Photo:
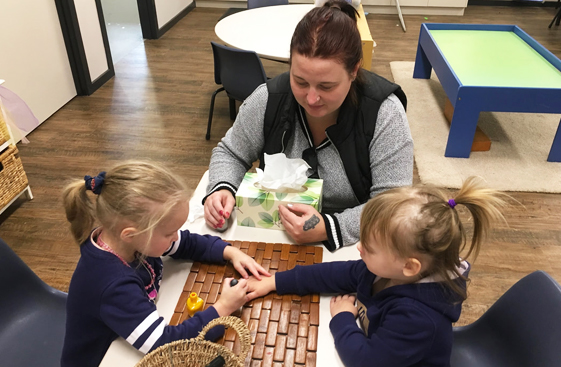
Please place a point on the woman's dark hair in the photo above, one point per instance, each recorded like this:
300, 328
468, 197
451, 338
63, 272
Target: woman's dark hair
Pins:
330, 32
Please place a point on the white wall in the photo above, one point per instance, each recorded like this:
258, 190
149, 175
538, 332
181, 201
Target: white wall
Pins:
90, 29
33, 58
166, 10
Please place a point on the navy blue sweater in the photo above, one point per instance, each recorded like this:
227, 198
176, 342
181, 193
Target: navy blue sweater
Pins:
107, 299
404, 325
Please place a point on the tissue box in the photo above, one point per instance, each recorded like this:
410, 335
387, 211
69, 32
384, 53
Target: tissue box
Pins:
256, 207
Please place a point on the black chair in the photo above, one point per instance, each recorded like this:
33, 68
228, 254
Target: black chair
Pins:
239, 72
557, 17
32, 315
521, 329
251, 4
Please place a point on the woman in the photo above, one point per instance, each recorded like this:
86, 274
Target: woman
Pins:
349, 125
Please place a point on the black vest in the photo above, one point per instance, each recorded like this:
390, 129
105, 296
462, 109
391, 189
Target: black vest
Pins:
352, 134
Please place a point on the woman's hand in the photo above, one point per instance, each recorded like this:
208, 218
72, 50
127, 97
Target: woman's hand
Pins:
345, 303
218, 207
231, 298
303, 223
258, 288
242, 261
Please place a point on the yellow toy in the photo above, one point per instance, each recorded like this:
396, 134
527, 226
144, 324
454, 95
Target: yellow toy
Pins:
194, 304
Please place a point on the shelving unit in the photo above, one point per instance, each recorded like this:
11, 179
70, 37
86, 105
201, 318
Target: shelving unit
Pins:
5, 179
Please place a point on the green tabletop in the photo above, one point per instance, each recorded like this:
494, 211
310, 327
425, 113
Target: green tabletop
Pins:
495, 58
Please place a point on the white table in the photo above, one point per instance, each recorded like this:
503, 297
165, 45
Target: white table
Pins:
268, 31
122, 354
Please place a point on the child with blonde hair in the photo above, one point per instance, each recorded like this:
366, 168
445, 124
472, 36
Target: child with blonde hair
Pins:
139, 211
410, 282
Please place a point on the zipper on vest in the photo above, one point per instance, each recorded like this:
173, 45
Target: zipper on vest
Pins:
282, 140
341, 160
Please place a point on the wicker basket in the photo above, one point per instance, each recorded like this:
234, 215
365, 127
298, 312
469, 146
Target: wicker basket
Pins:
4, 133
12, 176
197, 352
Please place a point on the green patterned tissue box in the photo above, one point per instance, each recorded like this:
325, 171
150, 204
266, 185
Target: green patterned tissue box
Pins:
257, 207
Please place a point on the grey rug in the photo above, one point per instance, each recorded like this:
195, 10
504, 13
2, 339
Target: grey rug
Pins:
520, 142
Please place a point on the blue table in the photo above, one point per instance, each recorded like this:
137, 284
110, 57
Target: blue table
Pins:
489, 68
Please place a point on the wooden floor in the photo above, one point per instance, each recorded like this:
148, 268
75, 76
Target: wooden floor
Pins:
156, 108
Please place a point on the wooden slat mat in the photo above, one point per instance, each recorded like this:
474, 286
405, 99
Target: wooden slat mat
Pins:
284, 329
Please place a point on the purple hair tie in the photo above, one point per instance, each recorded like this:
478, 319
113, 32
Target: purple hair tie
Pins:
95, 183
452, 203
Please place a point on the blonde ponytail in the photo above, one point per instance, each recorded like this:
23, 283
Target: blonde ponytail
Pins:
79, 210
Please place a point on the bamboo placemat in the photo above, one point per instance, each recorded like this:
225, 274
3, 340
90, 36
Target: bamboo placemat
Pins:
284, 329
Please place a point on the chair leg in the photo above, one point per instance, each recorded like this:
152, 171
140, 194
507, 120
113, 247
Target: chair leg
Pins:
400, 16
211, 111
232, 109
556, 18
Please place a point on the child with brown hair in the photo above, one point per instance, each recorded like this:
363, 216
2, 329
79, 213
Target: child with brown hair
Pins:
411, 281
140, 209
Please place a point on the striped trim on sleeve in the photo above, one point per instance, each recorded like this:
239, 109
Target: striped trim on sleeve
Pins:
174, 246
141, 329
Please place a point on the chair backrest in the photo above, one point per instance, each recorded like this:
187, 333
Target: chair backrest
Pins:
260, 3
19, 281
239, 71
523, 328
32, 315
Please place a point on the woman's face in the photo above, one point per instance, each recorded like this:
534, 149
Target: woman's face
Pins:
319, 85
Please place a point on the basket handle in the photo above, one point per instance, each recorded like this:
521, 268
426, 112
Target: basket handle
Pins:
239, 327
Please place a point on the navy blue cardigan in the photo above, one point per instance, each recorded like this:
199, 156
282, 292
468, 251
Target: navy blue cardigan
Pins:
107, 299
404, 325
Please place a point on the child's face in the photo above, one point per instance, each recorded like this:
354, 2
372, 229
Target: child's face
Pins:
165, 232
380, 260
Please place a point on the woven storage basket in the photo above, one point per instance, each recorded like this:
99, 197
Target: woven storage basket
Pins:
197, 352
4, 133
12, 176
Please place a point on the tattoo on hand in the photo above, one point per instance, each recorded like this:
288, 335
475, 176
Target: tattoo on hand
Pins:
311, 223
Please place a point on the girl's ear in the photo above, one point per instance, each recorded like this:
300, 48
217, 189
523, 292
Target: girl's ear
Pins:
127, 234
412, 267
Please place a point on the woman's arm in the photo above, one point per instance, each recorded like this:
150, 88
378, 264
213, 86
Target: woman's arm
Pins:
233, 156
391, 164
241, 146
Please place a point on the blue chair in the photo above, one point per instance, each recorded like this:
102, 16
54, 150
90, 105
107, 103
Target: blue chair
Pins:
521, 329
239, 72
32, 315
251, 4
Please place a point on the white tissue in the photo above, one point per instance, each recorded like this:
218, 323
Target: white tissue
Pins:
283, 174
196, 211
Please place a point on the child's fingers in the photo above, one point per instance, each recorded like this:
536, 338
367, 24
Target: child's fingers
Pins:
252, 295
257, 270
240, 268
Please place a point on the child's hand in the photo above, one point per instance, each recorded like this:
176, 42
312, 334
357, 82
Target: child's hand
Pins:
258, 288
242, 261
231, 298
345, 303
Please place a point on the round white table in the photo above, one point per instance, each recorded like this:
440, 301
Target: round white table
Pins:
266, 30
